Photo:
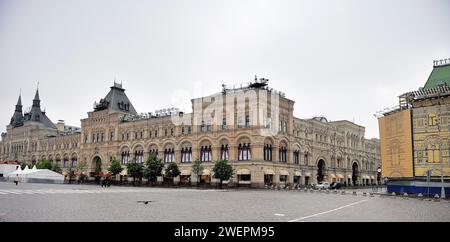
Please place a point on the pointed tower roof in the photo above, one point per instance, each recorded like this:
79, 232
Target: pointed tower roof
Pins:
19, 102
36, 113
17, 119
116, 101
36, 96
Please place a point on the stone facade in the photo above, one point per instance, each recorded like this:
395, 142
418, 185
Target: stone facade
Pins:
264, 145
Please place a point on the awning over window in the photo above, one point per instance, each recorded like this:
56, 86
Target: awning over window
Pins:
332, 176
124, 172
339, 175
284, 173
297, 173
269, 172
372, 177
349, 176
308, 174
366, 177
243, 172
185, 172
206, 172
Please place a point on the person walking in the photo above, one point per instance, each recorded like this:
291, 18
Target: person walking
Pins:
17, 179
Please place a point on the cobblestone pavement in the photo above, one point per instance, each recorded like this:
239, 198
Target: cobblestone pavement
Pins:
51, 202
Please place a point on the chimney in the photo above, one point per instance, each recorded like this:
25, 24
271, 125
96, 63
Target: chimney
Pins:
60, 126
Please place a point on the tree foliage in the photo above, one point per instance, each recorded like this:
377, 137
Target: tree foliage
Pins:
197, 167
44, 164
153, 168
115, 167
135, 170
172, 170
56, 168
222, 171
81, 166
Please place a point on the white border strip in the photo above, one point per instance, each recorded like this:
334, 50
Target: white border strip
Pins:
329, 211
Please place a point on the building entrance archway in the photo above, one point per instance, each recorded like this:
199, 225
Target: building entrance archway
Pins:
355, 173
320, 170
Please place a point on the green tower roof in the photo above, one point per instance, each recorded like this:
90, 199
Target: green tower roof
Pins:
439, 75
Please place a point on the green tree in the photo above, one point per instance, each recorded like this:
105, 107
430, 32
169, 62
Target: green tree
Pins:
153, 168
115, 167
44, 164
135, 170
197, 169
23, 164
172, 170
222, 171
81, 166
56, 168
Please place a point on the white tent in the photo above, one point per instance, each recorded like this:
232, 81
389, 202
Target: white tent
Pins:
36, 175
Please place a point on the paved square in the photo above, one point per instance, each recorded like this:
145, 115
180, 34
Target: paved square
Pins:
48, 202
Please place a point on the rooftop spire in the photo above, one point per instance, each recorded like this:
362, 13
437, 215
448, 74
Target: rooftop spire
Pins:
19, 101
17, 118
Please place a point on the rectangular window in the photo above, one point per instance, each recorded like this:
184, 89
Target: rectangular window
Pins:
247, 121
240, 122
224, 123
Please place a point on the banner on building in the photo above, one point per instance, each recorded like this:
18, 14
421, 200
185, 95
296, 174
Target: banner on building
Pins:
396, 144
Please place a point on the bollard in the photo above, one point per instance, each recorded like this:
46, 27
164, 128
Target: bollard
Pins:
436, 198
371, 194
364, 194
354, 194
420, 196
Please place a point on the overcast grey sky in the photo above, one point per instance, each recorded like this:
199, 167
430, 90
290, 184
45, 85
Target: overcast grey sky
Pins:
343, 59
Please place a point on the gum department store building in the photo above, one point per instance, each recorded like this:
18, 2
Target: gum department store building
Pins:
300, 151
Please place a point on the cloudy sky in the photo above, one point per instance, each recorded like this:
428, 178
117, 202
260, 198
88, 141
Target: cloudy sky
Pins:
342, 59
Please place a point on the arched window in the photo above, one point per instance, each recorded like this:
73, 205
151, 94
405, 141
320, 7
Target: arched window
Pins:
169, 154
267, 152
74, 160
224, 154
153, 150
139, 155
66, 161
244, 151
306, 158
282, 153
125, 156
186, 153
205, 153
296, 155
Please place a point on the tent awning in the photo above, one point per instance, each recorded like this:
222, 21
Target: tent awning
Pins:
206, 172
339, 175
185, 172
243, 172
284, 173
297, 173
269, 172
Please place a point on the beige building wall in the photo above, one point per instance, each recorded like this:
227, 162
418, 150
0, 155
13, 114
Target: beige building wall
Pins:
339, 145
